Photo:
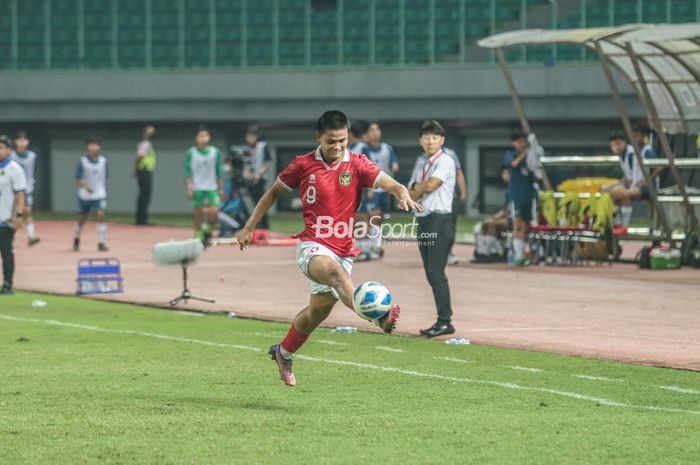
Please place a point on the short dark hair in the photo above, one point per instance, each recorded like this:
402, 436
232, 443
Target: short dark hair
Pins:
92, 140
431, 127
4, 140
358, 129
517, 134
617, 135
201, 128
640, 128
252, 129
21, 135
332, 120
374, 122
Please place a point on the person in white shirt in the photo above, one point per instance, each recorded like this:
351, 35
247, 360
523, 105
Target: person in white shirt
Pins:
91, 177
432, 184
13, 183
633, 186
27, 160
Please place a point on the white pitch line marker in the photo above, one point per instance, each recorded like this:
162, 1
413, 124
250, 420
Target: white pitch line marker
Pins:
367, 366
330, 343
599, 378
452, 359
519, 368
390, 349
679, 389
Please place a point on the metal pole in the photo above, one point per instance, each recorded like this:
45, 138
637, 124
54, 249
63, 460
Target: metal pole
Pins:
524, 124
665, 146
340, 31
276, 34
402, 32
212, 33
372, 31
244, 33
115, 34
630, 136
431, 32
307, 33
47, 34
181, 33
149, 34
14, 53
462, 29
81, 33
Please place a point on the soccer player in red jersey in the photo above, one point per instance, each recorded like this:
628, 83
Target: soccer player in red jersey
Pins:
330, 180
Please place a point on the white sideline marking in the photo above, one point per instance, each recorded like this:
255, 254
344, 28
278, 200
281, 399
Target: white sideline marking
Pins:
453, 359
599, 378
390, 349
503, 330
679, 389
519, 368
184, 312
331, 343
485, 382
270, 334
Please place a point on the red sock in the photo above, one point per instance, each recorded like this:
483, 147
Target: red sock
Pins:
294, 340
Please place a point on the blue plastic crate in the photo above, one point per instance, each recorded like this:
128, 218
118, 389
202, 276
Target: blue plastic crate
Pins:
99, 276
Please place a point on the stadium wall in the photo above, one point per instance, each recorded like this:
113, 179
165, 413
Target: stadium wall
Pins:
569, 106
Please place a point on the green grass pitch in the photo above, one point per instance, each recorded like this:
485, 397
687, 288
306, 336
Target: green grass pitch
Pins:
85, 381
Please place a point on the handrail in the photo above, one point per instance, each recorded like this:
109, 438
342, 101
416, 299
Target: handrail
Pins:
578, 160
679, 162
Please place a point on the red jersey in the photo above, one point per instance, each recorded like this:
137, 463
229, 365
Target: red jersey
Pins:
330, 195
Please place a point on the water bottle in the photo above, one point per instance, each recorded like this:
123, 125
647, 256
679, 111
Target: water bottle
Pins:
39, 303
510, 258
345, 329
458, 341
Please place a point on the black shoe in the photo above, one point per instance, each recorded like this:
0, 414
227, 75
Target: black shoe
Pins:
33, 241
6, 290
438, 329
102, 247
76, 244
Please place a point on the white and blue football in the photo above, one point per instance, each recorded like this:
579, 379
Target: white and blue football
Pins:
371, 300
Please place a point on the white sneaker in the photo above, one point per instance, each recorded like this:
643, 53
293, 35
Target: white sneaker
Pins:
452, 259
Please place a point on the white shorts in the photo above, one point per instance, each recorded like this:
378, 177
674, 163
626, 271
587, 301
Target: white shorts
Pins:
306, 250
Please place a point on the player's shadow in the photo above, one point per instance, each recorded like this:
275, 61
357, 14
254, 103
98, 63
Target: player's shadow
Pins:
219, 403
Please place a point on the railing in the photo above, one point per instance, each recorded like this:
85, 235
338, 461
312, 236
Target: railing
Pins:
152, 34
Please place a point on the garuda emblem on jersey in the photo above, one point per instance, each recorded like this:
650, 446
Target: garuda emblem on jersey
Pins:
345, 178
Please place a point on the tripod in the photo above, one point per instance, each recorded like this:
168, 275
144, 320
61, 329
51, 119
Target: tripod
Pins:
186, 294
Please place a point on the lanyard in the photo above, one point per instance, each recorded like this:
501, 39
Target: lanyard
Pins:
430, 164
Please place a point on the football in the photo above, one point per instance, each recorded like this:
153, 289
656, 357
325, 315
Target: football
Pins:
371, 300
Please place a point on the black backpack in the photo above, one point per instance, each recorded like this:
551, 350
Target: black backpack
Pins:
644, 257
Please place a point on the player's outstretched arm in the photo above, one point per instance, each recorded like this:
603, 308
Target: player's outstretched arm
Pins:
405, 202
245, 235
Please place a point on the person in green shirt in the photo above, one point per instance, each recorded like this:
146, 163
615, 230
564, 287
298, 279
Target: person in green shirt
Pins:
204, 169
144, 165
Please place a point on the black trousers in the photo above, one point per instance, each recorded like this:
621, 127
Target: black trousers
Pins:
257, 191
435, 235
145, 181
456, 209
7, 236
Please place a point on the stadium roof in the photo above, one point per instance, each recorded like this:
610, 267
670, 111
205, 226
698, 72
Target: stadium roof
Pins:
669, 58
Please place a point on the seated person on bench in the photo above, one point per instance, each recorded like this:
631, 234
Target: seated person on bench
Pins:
633, 185
488, 232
